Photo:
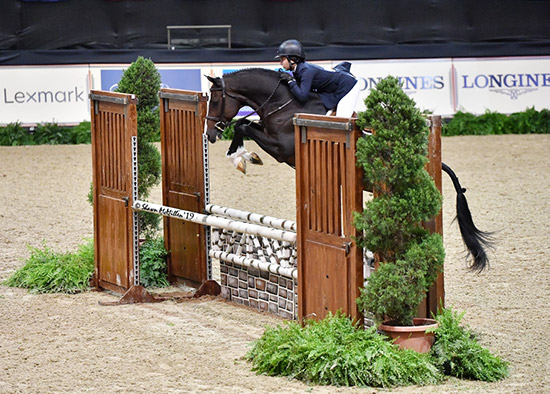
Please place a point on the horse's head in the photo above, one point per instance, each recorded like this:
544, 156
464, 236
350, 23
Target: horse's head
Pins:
221, 109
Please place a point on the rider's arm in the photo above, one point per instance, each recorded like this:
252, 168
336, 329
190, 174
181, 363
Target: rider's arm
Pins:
301, 90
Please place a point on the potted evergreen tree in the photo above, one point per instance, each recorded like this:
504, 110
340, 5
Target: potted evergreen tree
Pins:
410, 258
143, 79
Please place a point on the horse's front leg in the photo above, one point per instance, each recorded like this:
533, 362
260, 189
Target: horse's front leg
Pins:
237, 152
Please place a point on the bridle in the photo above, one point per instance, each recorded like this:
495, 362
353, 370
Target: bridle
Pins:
222, 123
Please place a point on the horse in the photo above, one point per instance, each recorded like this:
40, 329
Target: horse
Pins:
272, 100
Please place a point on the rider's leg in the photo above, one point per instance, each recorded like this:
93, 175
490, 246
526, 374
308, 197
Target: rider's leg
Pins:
346, 106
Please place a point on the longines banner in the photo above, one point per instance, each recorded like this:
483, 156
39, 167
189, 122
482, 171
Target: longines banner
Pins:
40, 94
503, 85
427, 82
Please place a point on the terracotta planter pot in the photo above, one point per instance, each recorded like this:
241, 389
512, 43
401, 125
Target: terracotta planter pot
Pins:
412, 337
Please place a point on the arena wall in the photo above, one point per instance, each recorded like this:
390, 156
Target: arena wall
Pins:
39, 94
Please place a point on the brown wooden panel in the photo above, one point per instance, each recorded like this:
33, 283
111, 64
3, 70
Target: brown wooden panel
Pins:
324, 289
183, 183
328, 191
114, 123
182, 105
186, 241
327, 195
436, 294
113, 259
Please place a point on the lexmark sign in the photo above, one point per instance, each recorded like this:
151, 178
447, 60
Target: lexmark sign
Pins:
34, 95
60, 96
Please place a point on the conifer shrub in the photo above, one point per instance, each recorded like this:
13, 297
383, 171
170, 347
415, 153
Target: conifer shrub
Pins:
143, 80
393, 160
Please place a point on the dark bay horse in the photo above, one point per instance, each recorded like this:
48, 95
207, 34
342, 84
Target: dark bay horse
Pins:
272, 100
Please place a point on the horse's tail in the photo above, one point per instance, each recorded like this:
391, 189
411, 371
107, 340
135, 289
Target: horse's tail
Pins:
475, 240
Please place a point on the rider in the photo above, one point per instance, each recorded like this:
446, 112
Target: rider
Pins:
338, 90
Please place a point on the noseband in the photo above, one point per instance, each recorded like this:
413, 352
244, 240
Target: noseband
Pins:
222, 123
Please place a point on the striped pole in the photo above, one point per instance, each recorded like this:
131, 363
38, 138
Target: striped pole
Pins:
251, 217
289, 272
215, 221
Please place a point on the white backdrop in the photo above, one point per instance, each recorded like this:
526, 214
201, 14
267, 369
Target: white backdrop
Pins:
39, 94
503, 85
32, 95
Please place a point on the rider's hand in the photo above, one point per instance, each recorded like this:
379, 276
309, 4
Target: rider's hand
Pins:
287, 77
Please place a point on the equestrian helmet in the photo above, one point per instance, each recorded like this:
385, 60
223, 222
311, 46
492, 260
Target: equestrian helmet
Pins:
291, 49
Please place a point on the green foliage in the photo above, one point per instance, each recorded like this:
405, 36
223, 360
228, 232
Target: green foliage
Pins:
404, 282
149, 168
229, 132
15, 134
148, 121
46, 271
334, 351
149, 224
152, 262
529, 121
48, 133
456, 352
82, 133
393, 160
143, 80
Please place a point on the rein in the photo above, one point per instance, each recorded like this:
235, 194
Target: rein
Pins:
221, 122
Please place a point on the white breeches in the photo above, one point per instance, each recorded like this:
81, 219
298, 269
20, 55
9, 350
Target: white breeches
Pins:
346, 106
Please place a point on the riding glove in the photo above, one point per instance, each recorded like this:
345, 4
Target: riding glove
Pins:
287, 77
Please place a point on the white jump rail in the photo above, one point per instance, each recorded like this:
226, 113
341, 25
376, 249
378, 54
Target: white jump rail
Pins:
216, 221
251, 217
289, 272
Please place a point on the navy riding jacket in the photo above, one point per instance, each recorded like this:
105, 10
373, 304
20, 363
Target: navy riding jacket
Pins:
331, 85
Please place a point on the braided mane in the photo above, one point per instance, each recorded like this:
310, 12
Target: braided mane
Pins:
252, 70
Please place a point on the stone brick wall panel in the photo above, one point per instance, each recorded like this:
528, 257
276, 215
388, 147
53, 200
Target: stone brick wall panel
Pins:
260, 290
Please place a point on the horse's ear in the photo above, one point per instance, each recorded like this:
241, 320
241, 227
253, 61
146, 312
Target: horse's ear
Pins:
211, 79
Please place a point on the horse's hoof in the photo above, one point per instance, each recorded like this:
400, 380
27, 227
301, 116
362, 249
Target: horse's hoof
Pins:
255, 159
242, 166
